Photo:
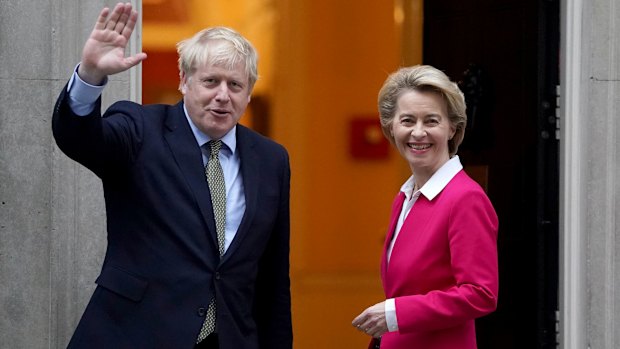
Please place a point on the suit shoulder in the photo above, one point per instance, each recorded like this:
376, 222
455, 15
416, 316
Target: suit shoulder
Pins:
129, 107
262, 142
150, 115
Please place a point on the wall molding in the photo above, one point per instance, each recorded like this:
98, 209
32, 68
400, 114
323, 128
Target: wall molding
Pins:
572, 302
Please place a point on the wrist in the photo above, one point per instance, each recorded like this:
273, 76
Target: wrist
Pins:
90, 76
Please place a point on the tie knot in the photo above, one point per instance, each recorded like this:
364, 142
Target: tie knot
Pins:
215, 145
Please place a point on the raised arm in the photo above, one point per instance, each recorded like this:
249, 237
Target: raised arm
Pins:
104, 51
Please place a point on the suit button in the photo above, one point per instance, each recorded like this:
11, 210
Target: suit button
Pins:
217, 275
202, 312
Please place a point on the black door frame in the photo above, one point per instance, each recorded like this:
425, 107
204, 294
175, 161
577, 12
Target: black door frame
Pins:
546, 182
548, 173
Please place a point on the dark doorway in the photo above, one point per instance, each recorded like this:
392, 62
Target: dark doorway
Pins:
505, 55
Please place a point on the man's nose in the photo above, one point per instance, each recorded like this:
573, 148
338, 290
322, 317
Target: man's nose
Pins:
222, 92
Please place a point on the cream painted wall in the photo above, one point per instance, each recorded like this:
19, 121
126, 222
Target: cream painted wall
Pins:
254, 19
331, 59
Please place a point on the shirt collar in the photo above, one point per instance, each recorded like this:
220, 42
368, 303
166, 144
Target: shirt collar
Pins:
229, 139
438, 181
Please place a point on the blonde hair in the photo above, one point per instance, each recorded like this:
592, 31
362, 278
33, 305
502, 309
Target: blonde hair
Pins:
197, 51
423, 78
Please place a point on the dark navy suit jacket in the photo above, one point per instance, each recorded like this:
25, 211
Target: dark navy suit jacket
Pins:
162, 264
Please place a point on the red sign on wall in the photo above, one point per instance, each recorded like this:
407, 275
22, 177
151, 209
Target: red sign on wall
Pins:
366, 140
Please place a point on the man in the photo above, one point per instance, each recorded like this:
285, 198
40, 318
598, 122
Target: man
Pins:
197, 205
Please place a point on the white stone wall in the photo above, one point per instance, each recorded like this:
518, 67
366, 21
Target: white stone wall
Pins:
590, 162
601, 123
52, 216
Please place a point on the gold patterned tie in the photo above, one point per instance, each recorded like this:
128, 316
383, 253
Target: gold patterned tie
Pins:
217, 187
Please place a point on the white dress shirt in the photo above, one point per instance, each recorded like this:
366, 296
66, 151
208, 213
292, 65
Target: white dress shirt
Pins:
231, 166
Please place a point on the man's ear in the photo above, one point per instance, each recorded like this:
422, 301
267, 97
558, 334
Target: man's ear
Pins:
182, 82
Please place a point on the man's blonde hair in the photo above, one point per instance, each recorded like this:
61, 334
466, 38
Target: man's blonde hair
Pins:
198, 50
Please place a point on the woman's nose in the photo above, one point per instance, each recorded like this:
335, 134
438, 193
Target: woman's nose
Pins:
418, 131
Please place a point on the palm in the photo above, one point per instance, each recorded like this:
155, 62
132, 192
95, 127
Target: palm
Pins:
106, 51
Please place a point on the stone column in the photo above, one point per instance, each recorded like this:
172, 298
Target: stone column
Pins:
600, 120
590, 246
52, 214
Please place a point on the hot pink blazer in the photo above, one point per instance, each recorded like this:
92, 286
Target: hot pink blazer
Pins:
443, 268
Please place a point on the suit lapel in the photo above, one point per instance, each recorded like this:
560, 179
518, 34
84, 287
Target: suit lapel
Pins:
250, 171
188, 157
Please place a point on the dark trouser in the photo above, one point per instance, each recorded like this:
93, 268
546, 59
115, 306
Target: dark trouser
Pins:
211, 342
375, 343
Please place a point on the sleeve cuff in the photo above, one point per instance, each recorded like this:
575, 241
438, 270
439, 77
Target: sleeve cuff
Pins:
390, 315
82, 96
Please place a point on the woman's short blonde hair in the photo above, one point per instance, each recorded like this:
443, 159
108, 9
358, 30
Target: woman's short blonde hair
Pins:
197, 51
423, 78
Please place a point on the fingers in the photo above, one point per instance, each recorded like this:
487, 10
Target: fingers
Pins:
371, 330
121, 17
361, 322
101, 20
134, 60
129, 25
371, 322
113, 18
124, 18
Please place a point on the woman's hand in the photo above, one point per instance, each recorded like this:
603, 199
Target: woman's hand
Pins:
372, 320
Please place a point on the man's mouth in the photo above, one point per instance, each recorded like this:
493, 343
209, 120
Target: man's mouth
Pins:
220, 112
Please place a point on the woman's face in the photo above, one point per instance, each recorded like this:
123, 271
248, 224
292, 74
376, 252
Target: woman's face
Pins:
421, 131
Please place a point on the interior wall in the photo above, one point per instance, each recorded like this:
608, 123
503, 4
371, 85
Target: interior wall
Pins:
321, 66
166, 22
331, 60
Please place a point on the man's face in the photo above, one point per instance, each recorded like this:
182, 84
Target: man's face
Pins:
216, 97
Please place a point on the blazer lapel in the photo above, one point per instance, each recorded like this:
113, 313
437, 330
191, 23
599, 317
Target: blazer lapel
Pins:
188, 157
251, 179
413, 226
397, 206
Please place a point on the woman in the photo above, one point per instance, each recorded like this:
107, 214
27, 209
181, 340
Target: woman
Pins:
439, 264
